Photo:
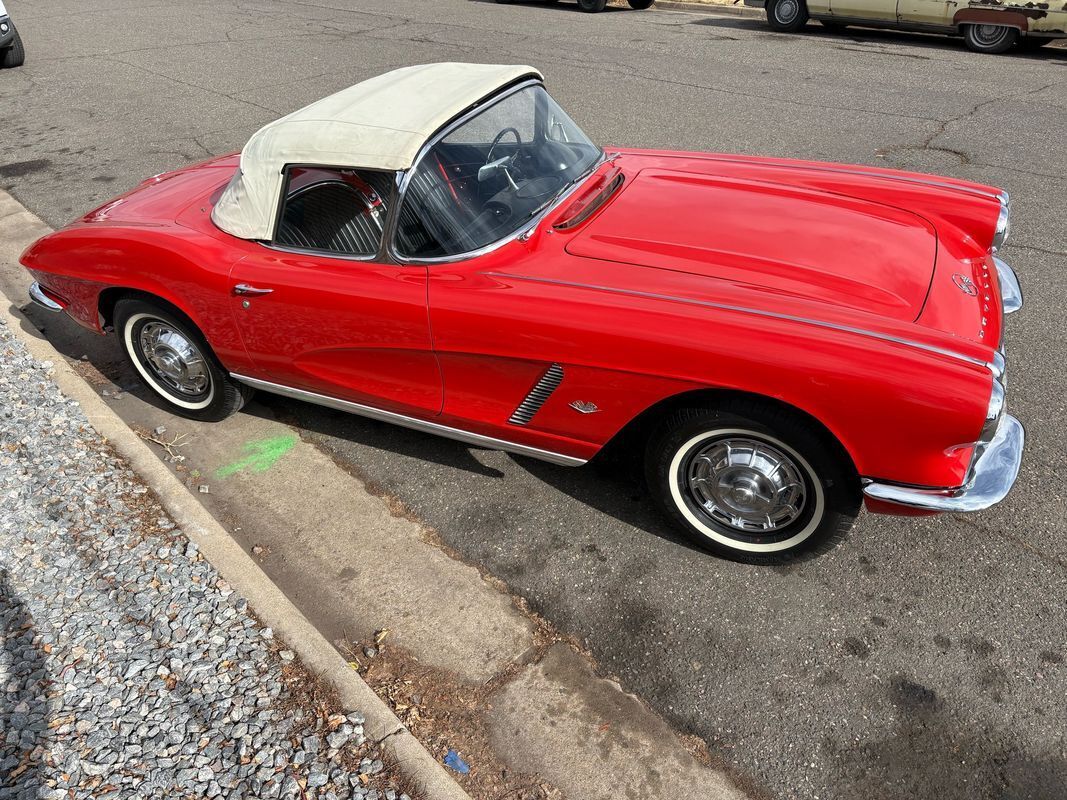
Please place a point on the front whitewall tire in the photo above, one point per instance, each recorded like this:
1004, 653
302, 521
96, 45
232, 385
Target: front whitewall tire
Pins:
677, 464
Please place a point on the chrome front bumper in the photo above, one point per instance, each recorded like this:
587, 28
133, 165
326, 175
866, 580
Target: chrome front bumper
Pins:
996, 463
992, 475
1010, 292
43, 300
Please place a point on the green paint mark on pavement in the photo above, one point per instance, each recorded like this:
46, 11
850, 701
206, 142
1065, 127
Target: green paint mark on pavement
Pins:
261, 455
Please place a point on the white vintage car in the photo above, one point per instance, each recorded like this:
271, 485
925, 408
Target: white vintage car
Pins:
987, 26
12, 53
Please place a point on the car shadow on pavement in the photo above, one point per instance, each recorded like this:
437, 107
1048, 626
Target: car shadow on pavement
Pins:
608, 484
24, 682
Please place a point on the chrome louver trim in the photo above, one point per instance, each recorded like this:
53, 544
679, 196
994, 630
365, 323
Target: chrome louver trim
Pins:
541, 391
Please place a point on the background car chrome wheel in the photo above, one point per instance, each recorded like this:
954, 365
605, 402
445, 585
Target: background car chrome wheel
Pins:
752, 480
788, 16
175, 362
990, 38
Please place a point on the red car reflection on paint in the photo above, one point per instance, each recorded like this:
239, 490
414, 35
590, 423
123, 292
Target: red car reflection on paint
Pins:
443, 248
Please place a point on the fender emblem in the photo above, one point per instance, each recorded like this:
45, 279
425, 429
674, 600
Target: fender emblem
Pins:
965, 284
583, 407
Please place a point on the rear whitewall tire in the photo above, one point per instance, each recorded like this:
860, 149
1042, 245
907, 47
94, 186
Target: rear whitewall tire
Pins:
128, 329
222, 396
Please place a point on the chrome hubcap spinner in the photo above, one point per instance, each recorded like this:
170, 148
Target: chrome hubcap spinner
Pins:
746, 485
173, 359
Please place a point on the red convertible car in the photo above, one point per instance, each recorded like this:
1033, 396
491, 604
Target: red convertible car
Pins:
442, 247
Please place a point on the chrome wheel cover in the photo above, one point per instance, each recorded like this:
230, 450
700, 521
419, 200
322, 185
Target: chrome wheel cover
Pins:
785, 11
989, 34
745, 485
173, 359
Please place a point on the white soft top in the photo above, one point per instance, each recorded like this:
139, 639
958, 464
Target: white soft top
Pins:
381, 123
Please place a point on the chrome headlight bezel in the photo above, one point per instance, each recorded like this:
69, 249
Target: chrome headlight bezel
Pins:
994, 411
1003, 230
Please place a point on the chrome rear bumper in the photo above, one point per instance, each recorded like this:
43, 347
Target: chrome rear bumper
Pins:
992, 475
43, 300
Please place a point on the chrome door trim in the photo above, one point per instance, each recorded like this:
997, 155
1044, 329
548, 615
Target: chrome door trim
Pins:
412, 422
886, 337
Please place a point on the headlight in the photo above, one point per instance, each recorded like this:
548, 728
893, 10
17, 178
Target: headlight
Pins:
1003, 222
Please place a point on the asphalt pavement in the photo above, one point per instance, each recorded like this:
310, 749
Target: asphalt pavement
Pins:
923, 658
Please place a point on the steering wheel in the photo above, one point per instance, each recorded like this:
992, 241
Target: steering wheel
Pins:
496, 141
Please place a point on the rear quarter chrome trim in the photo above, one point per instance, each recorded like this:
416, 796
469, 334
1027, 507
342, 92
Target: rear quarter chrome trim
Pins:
412, 422
885, 337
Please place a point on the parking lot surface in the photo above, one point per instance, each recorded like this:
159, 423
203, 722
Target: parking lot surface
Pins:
921, 658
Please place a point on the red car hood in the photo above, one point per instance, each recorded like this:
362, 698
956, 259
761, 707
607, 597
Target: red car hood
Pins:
780, 240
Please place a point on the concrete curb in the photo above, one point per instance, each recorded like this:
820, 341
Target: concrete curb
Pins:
238, 568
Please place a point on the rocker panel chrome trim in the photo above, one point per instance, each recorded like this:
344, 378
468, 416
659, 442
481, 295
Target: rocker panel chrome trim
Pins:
755, 311
411, 422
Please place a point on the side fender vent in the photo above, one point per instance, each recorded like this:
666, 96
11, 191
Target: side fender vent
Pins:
541, 391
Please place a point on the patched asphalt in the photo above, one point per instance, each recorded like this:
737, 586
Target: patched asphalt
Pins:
922, 658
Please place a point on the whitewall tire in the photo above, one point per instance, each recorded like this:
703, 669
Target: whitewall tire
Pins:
752, 481
173, 359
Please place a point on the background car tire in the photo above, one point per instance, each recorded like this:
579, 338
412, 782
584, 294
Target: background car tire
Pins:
783, 449
640, 5
14, 55
592, 5
787, 16
221, 396
990, 38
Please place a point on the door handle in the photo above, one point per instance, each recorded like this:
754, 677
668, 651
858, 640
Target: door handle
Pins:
244, 288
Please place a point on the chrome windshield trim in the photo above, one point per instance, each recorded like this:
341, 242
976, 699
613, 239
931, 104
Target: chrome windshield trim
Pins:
886, 337
414, 423
991, 477
526, 229
38, 296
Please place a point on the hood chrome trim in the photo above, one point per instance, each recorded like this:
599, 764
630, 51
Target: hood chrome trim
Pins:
414, 423
885, 337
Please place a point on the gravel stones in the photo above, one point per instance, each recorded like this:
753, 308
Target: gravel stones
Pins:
128, 668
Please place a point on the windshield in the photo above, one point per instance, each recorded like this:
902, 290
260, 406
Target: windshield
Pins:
491, 175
